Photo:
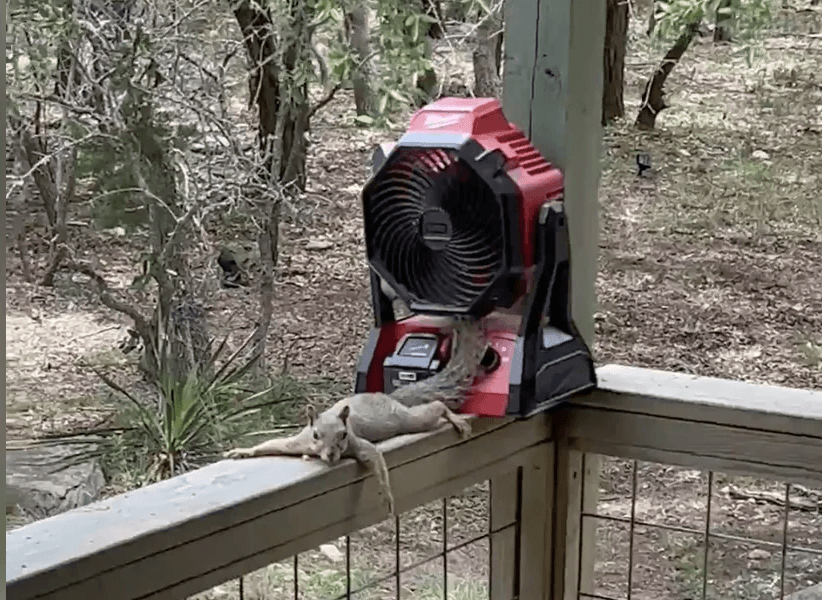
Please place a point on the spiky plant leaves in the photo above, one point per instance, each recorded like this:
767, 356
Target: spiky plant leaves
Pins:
193, 419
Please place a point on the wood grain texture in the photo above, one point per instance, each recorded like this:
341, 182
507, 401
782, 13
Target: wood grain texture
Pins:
518, 63
504, 508
699, 422
537, 509
186, 534
707, 399
565, 126
189, 533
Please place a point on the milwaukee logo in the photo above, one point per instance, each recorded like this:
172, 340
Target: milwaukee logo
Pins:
438, 121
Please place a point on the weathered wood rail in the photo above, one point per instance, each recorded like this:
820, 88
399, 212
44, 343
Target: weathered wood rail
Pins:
190, 533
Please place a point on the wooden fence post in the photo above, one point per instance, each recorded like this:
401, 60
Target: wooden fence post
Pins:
552, 90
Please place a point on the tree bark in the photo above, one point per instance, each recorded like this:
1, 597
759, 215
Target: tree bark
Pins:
433, 8
653, 97
284, 115
54, 178
651, 19
58, 249
264, 76
356, 26
723, 23
268, 242
498, 51
427, 80
486, 43
616, 33
21, 204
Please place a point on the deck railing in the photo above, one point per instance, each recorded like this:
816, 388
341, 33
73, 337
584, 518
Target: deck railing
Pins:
196, 531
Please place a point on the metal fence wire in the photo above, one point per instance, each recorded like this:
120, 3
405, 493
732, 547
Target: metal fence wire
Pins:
400, 571
702, 584
630, 540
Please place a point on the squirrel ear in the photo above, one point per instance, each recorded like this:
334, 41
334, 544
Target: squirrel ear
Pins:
346, 410
311, 413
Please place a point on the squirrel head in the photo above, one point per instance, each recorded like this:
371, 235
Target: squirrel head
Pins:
330, 432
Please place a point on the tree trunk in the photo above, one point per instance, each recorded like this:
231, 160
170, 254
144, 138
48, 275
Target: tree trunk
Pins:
58, 249
294, 109
723, 23
20, 205
653, 98
284, 114
264, 76
268, 242
433, 8
427, 80
457, 10
616, 32
36, 150
498, 51
264, 86
651, 19
178, 321
486, 43
356, 26
55, 181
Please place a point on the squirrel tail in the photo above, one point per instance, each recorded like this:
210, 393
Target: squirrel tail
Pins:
450, 385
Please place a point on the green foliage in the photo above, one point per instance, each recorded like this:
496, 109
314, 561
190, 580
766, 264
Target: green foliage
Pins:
397, 41
36, 31
191, 420
117, 202
401, 43
747, 17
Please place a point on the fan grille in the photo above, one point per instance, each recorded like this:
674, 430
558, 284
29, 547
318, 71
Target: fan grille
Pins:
436, 227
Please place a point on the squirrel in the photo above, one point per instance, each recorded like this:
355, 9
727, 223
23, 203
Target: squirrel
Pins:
351, 427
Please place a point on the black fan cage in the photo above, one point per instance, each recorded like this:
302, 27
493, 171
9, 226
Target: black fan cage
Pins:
435, 229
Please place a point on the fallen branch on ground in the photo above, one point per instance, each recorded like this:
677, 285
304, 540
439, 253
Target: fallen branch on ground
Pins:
777, 499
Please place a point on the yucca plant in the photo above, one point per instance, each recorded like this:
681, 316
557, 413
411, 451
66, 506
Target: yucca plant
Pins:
191, 420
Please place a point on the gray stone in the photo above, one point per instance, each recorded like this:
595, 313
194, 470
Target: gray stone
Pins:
813, 592
34, 488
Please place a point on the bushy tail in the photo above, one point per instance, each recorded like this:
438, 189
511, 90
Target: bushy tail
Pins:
450, 384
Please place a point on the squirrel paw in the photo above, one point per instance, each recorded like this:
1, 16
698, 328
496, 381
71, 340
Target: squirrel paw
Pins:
462, 426
238, 453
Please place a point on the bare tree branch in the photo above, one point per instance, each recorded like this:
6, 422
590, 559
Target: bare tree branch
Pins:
104, 292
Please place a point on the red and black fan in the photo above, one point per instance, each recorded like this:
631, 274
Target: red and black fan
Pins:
464, 217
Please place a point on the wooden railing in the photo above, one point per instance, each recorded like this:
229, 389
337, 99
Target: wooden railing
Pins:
195, 531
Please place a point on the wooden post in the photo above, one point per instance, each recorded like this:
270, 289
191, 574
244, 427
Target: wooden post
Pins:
552, 90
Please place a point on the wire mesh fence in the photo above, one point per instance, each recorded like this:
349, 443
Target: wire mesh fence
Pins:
662, 533
438, 550
669, 533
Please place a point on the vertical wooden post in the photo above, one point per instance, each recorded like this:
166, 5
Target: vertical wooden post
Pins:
504, 510
552, 90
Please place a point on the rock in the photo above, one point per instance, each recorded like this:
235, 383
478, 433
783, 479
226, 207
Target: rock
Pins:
34, 487
759, 554
814, 592
331, 552
319, 245
760, 155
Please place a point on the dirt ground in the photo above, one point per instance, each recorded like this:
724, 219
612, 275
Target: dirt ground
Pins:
709, 265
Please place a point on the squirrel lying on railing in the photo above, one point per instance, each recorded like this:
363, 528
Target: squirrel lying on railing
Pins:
351, 427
